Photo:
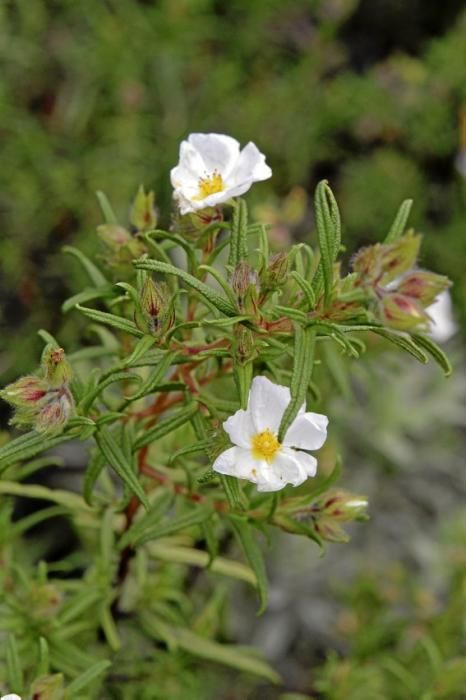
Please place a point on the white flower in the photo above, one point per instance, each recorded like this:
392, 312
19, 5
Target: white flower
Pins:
10, 696
258, 455
443, 325
212, 170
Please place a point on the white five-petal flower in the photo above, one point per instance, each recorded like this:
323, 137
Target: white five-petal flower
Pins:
212, 169
257, 454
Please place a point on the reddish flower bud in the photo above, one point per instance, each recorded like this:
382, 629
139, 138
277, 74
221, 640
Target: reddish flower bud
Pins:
423, 285
156, 307
401, 312
399, 256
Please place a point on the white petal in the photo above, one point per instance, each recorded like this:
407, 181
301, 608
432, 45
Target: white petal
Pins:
288, 467
218, 151
307, 462
267, 403
10, 696
189, 169
240, 428
250, 165
237, 462
308, 431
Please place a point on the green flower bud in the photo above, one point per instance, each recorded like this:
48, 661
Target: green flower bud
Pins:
276, 273
156, 306
244, 344
48, 687
423, 285
143, 216
113, 235
401, 312
45, 601
55, 367
380, 264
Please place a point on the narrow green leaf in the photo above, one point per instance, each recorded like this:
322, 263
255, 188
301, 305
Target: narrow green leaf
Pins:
115, 457
243, 379
174, 525
159, 507
93, 272
48, 338
86, 678
233, 492
106, 292
239, 232
219, 302
166, 426
13, 665
221, 281
43, 666
304, 347
434, 350
201, 446
404, 342
399, 224
195, 557
306, 287
93, 471
329, 233
117, 376
244, 533
106, 208
27, 446
123, 324
229, 654
155, 378
140, 349
109, 628
179, 240
78, 605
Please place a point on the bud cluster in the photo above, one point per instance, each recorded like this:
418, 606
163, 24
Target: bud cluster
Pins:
400, 292
43, 400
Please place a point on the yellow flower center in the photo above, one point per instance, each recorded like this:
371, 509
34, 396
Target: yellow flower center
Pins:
210, 185
265, 445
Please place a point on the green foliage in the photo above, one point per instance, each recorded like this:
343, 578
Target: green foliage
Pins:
149, 405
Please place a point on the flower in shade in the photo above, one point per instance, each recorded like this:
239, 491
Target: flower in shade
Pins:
212, 170
257, 455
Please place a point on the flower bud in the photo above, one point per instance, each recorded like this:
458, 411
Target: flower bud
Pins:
45, 601
143, 216
423, 285
25, 392
55, 367
401, 312
48, 687
277, 271
334, 508
366, 263
244, 344
245, 285
156, 306
53, 417
342, 505
399, 256
114, 236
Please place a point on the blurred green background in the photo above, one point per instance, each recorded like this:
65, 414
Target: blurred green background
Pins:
98, 95
370, 94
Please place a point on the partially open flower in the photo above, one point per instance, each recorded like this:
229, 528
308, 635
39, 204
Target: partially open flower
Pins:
212, 170
257, 455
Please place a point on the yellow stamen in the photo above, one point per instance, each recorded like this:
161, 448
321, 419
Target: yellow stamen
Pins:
210, 185
265, 445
